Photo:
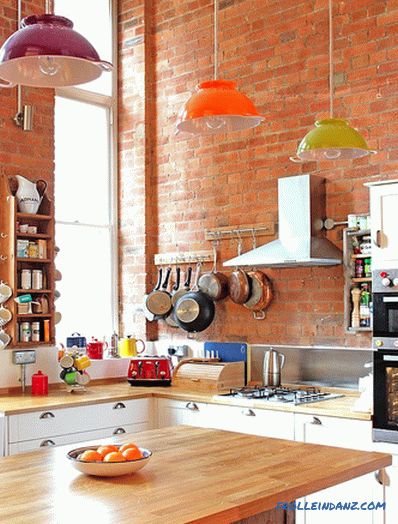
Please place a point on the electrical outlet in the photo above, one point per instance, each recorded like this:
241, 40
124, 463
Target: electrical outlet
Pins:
24, 357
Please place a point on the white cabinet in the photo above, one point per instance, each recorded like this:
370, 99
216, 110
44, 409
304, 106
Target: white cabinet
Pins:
40, 444
175, 412
384, 215
262, 422
345, 433
28, 431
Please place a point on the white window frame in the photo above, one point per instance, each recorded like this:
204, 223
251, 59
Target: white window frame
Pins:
110, 103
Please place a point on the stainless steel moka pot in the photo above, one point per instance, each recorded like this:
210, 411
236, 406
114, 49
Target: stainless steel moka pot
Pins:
272, 366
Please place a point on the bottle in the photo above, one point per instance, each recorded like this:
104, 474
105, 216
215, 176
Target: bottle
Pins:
358, 268
364, 306
367, 267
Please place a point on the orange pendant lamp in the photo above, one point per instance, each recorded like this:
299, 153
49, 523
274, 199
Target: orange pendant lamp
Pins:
332, 138
217, 106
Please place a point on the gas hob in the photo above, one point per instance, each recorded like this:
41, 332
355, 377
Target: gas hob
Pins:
279, 395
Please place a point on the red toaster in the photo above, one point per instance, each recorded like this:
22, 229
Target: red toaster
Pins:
150, 371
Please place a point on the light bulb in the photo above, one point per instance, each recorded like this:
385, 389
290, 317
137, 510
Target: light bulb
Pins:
332, 154
48, 65
215, 122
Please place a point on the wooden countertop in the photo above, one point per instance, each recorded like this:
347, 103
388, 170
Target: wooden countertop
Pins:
195, 475
59, 398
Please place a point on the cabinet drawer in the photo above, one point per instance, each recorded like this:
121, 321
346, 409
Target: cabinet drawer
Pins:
331, 431
262, 422
53, 422
74, 438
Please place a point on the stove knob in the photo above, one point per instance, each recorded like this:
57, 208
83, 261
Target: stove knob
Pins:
395, 343
395, 282
386, 282
378, 343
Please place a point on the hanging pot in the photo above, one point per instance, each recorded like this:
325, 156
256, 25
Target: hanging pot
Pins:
170, 319
195, 310
214, 283
148, 315
261, 295
159, 301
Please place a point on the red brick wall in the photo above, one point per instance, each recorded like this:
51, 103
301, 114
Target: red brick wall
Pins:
30, 154
277, 51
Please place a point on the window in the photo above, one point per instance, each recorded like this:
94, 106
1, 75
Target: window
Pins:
85, 188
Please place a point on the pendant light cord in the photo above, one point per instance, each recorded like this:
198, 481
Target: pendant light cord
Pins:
49, 7
215, 39
331, 73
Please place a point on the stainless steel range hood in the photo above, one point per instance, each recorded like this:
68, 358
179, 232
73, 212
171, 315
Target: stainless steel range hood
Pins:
301, 242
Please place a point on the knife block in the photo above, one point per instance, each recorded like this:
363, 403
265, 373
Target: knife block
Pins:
211, 376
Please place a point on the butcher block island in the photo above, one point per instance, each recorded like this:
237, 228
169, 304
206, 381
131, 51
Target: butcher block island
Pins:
194, 476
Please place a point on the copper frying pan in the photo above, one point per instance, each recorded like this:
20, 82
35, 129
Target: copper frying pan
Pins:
261, 296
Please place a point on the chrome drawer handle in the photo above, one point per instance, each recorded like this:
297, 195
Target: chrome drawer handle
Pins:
47, 443
192, 406
119, 405
316, 421
119, 431
47, 414
248, 413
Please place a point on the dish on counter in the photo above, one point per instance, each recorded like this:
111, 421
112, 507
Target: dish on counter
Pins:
107, 469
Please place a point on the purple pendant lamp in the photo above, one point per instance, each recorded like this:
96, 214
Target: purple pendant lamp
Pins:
47, 52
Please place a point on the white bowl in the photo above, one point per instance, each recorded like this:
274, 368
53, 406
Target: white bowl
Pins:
107, 469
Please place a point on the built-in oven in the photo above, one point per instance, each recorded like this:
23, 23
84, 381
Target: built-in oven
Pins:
385, 309
385, 396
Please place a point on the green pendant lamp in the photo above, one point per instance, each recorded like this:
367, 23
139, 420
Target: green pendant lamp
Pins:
332, 138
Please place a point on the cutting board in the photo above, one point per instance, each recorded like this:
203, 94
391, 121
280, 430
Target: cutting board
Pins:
230, 352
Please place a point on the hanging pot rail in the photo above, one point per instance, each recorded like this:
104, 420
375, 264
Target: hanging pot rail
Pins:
189, 257
258, 230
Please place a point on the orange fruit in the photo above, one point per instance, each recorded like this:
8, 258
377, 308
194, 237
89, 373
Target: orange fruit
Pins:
104, 450
127, 446
114, 456
90, 455
132, 454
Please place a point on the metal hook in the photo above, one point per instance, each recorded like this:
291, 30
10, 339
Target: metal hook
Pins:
214, 270
239, 241
254, 238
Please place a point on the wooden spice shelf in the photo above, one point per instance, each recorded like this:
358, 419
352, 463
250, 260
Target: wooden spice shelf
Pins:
10, 221
34, 260
29, 216
27, 345
34, 291
360, 255
358, 232
362, 279
368, 329
34, 235
34, 315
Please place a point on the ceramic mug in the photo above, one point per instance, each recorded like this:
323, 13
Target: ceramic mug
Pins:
5, 316
128, 347
5, 292
5, 339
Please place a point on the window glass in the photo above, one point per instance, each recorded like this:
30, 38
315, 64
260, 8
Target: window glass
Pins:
82, 162
92, 19
86, 286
